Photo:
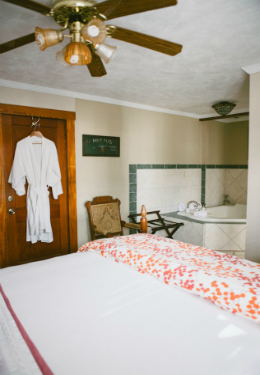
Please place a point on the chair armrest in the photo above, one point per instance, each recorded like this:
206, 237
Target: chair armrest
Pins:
132, 226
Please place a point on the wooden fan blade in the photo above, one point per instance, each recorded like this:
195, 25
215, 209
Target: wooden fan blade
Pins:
32, 5
119, 8
96, 67
142, 40
19, 42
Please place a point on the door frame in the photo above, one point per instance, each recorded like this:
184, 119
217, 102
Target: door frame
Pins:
69, 118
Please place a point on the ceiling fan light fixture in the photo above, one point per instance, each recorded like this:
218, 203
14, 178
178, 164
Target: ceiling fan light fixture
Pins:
105, 51
224, 108
47, 37
60, 57
77, 53
95, 31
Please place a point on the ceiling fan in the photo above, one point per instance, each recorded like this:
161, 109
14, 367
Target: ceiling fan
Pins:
87, 32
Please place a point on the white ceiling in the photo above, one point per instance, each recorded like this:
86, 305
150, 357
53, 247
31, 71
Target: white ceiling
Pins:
219, 37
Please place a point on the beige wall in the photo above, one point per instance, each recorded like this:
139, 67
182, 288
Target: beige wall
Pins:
36, 99
253, 204
236, 142
226, 143
213, 142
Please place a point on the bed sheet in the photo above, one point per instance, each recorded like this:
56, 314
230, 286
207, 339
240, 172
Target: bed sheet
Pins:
90, 315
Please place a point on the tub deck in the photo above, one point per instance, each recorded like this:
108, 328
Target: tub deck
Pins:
221, 234
201, 220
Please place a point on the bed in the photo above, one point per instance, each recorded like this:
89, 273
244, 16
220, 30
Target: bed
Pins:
89, 314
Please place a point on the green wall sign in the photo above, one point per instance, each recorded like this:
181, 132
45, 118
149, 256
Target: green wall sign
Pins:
99, 145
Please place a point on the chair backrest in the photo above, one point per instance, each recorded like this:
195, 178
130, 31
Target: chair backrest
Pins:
104, 215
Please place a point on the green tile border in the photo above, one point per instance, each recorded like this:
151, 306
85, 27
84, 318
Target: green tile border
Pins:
132, 168
157, 166
143, 166
226, 166
132, 206
133, 178
132, 197
132, 188
170, 166
203, 185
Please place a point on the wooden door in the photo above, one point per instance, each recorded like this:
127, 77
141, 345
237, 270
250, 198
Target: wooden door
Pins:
15, 128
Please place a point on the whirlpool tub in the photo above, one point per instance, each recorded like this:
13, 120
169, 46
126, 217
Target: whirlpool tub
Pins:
220, 214
224, 228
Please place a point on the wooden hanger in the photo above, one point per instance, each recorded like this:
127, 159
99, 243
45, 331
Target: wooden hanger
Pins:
36, 133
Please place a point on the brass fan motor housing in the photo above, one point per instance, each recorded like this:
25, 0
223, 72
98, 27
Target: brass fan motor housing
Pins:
62, 10
73, 4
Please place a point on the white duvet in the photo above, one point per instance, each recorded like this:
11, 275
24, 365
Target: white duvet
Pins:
88, 315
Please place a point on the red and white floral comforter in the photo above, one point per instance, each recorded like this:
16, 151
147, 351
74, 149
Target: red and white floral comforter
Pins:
228, 281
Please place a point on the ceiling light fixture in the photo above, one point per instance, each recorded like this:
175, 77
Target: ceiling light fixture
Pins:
47, 37
60, 57
95, 31
105, 51
224, 108
77, 53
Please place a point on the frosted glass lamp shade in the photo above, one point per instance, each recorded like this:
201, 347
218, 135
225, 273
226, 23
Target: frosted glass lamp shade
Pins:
77, 53
47, 37
105, 51
60, 57
95, 31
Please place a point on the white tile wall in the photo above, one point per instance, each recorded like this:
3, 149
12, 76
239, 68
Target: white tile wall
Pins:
220, 182
228, 238
215, 186
164, 189
236, 185
225, 236
190, 233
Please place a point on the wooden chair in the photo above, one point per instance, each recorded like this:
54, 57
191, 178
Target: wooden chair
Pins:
105, 219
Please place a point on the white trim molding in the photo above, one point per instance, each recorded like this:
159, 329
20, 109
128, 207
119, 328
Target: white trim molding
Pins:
76, 95
251, 69
101, 99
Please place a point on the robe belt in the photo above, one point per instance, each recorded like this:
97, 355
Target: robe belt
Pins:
38, 216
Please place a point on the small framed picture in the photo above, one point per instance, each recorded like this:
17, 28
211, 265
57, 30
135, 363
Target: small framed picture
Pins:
99, 145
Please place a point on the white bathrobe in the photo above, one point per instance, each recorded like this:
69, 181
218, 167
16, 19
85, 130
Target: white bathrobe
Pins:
40, 166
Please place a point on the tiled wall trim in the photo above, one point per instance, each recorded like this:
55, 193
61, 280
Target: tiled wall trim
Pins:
226, 166
133, 177
203, 184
